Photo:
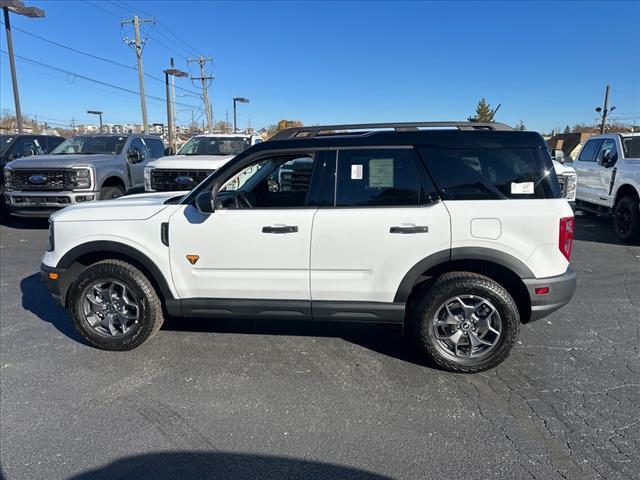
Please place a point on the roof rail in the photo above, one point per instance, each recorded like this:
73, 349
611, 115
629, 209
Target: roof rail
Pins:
327, 130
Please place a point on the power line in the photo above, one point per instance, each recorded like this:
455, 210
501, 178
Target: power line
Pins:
89, 79
96, 57
101, 8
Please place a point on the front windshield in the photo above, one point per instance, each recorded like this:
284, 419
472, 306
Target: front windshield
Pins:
86, 145
5, 143
215, 146
631, 147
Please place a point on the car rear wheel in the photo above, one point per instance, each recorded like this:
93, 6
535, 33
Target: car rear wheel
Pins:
465, 322
626, 219
109, 193
114, 306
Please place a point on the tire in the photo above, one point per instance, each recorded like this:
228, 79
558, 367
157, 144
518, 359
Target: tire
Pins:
109, 193
474, 291
626, 219
139, 291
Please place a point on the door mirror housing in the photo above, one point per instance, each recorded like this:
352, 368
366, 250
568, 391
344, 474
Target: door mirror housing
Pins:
206, 201
168, 151
134, 156
558, 155
608, 159
28, 151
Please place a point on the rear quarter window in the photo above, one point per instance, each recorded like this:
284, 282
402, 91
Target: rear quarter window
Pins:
491, 174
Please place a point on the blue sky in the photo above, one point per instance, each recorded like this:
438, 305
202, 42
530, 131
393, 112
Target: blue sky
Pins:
334, 62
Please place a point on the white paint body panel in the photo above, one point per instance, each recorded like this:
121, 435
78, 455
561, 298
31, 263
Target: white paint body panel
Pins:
355, 258
238, 260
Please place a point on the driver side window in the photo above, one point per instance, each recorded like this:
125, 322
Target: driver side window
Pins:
608, 145
275, 182
137, 144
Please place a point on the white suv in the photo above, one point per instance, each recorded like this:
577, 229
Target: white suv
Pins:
195, 161
608, 169
455, 230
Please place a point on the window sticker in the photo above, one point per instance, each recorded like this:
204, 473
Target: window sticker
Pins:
381, 173
524, 188
356, 172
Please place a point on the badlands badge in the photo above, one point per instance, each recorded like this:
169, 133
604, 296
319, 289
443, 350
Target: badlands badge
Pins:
193, 259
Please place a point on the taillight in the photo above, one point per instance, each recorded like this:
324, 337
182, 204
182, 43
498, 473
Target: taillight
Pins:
565, 241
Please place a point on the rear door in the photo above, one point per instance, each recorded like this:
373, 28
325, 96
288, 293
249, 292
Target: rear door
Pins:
382, 218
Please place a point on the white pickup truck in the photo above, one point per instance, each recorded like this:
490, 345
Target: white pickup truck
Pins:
608, 169
195, 161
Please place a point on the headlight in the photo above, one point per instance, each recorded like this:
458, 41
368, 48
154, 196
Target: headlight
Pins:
148, 173
52, 244
570, 184
8, 178
82, 178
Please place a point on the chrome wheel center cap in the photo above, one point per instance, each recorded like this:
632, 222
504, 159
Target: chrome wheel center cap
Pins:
465, 326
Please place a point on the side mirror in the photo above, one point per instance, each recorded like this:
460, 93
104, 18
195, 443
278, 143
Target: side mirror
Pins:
168, 151
28, 151
14, 155
608, 159
134, 156
558, 155
205, 201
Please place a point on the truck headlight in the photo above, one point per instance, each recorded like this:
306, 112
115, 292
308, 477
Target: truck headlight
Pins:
570, 185
52, 241
148, 173
8, 178
82, 178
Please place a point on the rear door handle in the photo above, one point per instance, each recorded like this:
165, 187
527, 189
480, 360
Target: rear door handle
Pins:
409, 229
280, 229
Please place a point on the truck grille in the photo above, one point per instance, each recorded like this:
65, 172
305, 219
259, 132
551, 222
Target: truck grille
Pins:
41, 180
168, 180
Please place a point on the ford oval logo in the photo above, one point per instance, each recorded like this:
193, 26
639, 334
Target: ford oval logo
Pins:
37, 179
184, 180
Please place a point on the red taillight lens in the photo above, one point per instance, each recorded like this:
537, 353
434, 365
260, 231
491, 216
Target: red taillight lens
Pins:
565, 241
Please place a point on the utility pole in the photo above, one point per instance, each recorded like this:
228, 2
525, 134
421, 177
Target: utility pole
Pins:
18, 8
171, 72
605, 111
204, 78
173, 101
137, 45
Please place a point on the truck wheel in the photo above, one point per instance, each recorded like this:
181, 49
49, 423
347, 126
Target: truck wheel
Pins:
114, 306
465, 322
109, 193
626, 219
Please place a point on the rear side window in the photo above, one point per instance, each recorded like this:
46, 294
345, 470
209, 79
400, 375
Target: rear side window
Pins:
492, 174
588, 152
378, 177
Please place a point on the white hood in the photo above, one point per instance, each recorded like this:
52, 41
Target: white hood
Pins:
191, 162
131, 207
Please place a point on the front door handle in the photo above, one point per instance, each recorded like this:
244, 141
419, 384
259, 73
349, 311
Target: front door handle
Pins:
409, 229
280, 229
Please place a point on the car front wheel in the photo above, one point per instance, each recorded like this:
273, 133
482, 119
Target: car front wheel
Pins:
114, 306
465, 322
626, 219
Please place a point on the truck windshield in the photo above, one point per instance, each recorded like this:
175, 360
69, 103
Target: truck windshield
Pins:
631, 147
87, 145
5, 143
215, 146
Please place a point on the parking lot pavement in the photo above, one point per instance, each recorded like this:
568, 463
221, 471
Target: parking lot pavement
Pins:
256, 399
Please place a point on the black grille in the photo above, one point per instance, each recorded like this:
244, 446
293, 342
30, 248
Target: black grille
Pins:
166, 180
41, 179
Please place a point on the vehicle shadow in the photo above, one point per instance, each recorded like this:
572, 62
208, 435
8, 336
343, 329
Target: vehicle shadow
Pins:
384, 339
37, 300
25, 223
192, 465
598, 229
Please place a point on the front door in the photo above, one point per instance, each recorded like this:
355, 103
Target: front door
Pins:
256, 244
384, 221
587, 171
136, 168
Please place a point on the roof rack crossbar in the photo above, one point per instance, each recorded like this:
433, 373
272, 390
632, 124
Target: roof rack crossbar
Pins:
310, 132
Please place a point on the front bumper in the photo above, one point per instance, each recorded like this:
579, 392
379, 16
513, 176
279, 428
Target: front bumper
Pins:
560, 292
42, 204
57, 286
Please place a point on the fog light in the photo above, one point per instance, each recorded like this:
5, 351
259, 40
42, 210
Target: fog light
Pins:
53, 276
542, 290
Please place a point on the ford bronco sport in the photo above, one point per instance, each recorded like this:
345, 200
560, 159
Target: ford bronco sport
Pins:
454, 230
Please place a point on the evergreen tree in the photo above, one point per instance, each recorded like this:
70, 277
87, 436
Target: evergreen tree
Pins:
566, 129
483, 112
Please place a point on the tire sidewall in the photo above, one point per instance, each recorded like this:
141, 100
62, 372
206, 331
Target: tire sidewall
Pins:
106, 271
442, 292
634, 232
110, 193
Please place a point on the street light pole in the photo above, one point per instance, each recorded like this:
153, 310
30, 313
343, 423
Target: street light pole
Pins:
175, 73
237, 100
17, 7
605, 111
96, 112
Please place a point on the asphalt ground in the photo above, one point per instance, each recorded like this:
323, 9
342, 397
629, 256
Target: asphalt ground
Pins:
256, 399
